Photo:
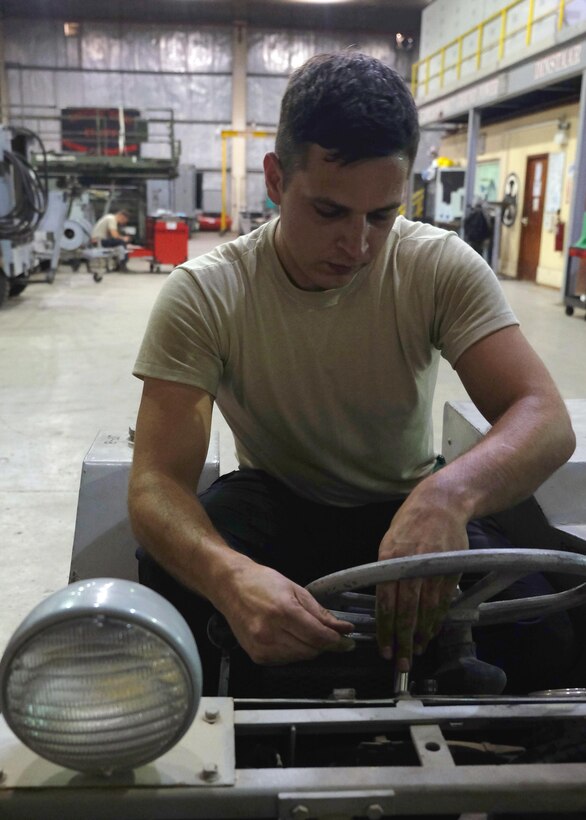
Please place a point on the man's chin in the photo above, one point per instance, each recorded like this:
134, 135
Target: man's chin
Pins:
329, 278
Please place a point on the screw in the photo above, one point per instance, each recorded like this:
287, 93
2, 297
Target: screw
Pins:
211, 715
429, 686
299, 812
209, 771
375, 811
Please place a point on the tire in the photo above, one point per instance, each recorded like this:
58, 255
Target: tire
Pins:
569, 310
3, 287
16, 286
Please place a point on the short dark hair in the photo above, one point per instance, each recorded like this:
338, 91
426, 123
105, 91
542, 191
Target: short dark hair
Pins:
123, 212
351, 104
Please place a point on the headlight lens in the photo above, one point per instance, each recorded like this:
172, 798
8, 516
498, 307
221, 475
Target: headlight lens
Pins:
101, 690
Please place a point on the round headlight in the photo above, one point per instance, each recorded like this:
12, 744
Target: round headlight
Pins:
102, 675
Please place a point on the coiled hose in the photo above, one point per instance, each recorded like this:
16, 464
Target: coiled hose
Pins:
30, 194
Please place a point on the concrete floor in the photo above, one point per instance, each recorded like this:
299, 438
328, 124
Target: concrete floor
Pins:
66, 354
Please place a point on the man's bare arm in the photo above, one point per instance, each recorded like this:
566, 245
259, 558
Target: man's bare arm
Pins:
531, 434
115, 234
531, 437
273, 619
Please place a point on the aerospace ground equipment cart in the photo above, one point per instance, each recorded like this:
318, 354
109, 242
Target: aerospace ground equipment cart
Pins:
103, 716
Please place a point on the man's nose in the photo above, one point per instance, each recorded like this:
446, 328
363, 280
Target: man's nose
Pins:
354, 238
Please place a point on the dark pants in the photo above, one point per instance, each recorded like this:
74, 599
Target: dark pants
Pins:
259, 516
115, 243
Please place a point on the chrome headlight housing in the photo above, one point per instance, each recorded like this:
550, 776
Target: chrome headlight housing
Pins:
101, 676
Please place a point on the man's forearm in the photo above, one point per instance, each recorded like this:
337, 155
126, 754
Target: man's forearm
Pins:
523, 448
171, 524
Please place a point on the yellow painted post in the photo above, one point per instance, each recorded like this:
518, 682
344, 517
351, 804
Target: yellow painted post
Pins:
479, 45
503, 33
459, 63
226, 134
562, 8
414, 70
427, 64
224, 181
442, 66
530, 22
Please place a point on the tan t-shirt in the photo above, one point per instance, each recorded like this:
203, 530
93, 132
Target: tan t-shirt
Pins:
330, 392
104, 227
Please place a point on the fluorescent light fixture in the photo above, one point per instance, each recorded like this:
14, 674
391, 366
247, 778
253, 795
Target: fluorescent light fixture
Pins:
101, 676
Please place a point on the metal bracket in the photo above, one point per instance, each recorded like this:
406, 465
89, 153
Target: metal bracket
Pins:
371, 803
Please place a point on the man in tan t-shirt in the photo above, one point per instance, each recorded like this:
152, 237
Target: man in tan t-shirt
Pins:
319, 336
106, 233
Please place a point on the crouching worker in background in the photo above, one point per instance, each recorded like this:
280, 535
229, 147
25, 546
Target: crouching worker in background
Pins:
106, 233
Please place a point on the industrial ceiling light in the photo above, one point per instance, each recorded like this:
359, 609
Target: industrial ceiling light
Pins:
101, 676
404, 42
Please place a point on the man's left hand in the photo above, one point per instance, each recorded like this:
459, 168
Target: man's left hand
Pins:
410, 613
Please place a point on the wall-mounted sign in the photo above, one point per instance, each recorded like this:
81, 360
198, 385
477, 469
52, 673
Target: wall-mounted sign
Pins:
463, 101
558, 61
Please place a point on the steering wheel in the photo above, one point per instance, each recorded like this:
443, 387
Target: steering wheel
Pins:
500, 569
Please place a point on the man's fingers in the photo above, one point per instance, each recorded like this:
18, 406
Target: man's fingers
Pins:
447, 595
344, 644
315, 609
406, 621
425, 623
317, 627
386, 607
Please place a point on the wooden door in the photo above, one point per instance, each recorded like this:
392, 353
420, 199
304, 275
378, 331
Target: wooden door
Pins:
532, 217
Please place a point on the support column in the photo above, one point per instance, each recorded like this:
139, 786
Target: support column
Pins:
473, 131
577, 209
579, 187
239, 69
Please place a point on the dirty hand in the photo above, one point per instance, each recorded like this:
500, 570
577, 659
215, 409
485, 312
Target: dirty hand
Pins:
276, 621
410, 613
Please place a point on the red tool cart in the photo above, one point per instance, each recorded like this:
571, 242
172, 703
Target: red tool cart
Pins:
166, 242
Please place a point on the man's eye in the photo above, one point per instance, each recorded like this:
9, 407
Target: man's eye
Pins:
380, 217
327, 213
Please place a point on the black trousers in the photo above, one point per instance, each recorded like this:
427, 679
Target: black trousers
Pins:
260, 517
115, 243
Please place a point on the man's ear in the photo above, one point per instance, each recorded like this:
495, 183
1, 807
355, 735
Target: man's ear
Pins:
273, 177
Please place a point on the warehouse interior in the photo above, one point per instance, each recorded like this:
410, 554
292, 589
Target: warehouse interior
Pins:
165, 109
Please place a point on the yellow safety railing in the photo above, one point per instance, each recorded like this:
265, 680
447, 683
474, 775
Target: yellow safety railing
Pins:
491, 33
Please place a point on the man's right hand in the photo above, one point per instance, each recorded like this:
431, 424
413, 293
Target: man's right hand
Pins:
273, 619
276, 621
